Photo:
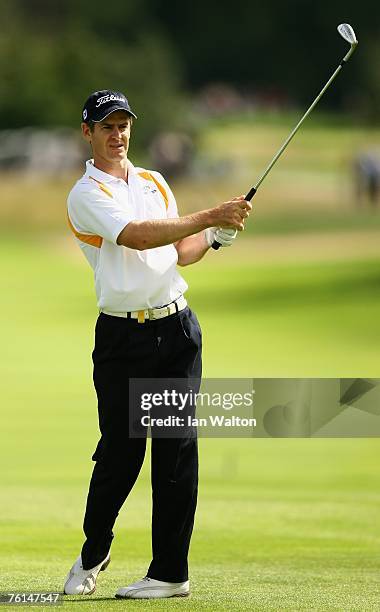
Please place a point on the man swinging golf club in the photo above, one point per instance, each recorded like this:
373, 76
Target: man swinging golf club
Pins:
126, 222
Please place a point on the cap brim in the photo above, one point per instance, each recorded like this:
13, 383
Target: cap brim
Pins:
112, 110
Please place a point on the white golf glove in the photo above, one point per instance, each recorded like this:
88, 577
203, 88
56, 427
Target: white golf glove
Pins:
225, 237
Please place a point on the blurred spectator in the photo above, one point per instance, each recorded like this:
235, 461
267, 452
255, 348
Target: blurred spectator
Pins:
367, 177
171, 153
219, 99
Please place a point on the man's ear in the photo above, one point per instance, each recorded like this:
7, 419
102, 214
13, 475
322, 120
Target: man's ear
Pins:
86, 132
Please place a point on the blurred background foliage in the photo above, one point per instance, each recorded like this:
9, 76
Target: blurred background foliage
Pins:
52, 55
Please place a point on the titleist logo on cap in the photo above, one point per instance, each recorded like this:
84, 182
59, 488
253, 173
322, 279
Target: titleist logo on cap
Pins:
102, 103
108, 98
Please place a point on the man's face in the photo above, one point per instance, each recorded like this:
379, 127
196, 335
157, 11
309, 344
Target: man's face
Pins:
110, 138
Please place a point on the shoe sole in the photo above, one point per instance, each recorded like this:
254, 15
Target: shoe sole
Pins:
102, 569
166, 597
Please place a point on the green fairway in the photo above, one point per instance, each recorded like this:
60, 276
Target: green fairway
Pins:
282, 524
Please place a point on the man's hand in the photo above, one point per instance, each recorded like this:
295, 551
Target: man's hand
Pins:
232, 214
224, 237
149, 234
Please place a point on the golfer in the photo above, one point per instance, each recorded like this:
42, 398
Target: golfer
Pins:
126, 222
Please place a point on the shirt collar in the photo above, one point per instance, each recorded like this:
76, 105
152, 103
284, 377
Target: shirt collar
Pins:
104, 177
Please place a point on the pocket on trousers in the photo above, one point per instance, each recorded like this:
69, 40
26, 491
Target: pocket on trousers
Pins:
190, 328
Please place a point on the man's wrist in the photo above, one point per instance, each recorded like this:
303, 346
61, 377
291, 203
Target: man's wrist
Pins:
208, 218
209, 236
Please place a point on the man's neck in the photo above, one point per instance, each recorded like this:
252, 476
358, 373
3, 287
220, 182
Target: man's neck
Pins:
117, 169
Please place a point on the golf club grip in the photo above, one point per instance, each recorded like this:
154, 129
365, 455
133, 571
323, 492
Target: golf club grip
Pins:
215, 245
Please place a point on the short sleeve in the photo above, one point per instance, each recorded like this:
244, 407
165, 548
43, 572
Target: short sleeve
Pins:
92, 212
172, 211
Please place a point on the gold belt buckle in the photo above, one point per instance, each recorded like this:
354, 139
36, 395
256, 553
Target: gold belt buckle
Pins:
141, 316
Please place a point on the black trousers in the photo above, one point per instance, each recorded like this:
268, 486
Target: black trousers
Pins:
166, 348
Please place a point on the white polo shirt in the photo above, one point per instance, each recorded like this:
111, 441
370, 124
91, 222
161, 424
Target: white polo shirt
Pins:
99, 207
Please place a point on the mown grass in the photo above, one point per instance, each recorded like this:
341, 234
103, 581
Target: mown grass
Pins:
282, 524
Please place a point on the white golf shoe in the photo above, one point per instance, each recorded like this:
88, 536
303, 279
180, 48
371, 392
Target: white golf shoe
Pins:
149, 588
83, 582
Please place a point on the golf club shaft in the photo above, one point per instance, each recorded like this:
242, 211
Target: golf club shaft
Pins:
295, 130
251, 193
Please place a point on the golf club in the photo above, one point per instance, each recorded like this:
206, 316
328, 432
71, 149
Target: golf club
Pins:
347, 32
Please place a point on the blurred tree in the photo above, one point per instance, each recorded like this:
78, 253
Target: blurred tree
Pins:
48, 70
53, 54
291, 45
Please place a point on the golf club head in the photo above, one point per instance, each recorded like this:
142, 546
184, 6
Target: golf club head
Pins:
347, 32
